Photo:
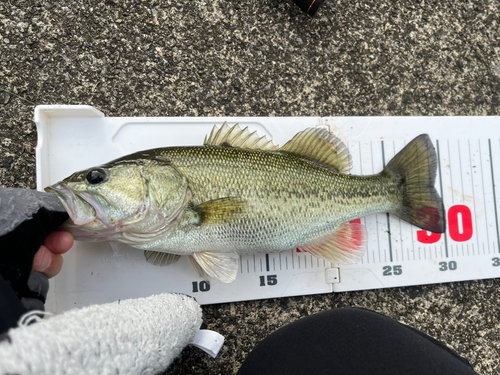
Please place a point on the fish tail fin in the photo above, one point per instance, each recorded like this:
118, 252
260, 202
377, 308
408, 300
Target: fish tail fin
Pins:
414, 169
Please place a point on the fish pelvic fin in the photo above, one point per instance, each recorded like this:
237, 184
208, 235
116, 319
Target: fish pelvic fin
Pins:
346, 245
158, 258
320, 145
219, 266
414, 170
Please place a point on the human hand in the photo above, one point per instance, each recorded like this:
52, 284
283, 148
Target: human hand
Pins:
48, 260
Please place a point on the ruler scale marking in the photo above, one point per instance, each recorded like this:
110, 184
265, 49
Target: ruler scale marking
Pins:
451, 173
376, 215
387, 214
412, 229
401, 239
473, 196
442, 195
494, 193
461, 172
363, 221
398, 220
484, 195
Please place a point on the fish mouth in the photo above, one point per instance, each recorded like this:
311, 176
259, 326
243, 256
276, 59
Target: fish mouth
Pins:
79, 210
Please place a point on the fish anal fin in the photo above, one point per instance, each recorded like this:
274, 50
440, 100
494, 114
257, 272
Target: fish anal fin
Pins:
320, 145
219, 211
158, 258
346, 245
220, 266
198, 268
235, 136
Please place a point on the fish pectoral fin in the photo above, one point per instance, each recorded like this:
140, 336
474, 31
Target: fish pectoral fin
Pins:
320, 145
220, 266
235, 136
346, 245
157, 258
220, 211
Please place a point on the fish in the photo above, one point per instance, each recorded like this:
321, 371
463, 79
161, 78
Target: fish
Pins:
239, 193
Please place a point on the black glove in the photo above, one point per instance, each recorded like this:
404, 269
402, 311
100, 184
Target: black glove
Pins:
26, 218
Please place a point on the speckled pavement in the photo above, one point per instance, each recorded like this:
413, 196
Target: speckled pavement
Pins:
263, 58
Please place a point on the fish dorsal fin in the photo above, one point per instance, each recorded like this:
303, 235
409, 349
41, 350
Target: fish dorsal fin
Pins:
320, 145
346, 245
220, 266
237, 137
161, 259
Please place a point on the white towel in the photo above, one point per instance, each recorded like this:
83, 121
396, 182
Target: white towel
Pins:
136, 336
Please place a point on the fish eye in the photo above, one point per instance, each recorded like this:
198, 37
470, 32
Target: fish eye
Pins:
96, 176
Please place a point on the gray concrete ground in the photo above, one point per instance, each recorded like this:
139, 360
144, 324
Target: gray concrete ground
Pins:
263, 57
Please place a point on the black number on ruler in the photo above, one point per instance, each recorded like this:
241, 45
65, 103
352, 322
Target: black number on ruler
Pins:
201, 286
271, 280
394, 270
445, 266
496, 262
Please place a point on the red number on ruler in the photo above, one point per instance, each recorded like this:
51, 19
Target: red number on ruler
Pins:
453, 226
426, 214
427, 237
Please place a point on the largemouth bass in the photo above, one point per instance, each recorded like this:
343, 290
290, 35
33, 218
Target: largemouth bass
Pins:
239, 193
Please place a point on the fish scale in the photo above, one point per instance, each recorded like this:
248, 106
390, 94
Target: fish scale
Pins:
291, 201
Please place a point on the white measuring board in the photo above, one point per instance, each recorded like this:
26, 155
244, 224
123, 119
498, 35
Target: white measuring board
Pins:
72, 138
